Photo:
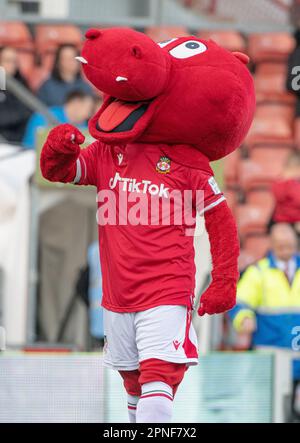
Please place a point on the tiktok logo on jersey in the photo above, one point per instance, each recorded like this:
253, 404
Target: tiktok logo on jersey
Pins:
144, 186
128, 201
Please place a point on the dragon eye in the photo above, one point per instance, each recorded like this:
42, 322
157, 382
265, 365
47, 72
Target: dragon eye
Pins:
188, 49
166, 42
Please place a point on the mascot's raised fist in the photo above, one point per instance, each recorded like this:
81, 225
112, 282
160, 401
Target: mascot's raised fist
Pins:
64, 142
65, 139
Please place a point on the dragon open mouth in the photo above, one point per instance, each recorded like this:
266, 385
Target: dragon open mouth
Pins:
121, 116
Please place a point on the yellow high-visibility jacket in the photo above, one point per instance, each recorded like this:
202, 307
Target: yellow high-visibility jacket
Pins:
265, 293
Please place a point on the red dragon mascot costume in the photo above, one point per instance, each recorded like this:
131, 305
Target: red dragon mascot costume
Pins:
169, 109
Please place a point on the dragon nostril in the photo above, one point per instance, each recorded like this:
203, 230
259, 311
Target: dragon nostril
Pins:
92, 33
136, 51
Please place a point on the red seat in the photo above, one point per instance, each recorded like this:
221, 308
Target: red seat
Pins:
270, 83
263, 167
47, 60
260, 197
161, 33
26, 62
15, 34
270, 46
272, 124
231, 169
232, 198
49, 37
254, 248
231, 40
36, 77
252, 219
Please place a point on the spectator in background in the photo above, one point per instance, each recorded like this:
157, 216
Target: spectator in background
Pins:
13, 113
268, 296
286, 193
65, 78
77, 110
292, 82
295, 13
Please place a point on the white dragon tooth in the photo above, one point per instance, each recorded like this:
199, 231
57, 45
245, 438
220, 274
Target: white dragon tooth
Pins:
121, 79
81, 60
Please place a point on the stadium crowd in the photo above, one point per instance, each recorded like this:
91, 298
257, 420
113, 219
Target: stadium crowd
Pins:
67, 95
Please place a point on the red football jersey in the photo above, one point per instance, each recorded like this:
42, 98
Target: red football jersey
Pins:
147, 205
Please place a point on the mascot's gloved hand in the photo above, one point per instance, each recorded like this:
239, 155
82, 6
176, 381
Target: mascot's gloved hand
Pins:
60, 152
220, 296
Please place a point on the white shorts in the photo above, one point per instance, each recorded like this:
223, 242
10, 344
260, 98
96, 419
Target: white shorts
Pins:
164, 332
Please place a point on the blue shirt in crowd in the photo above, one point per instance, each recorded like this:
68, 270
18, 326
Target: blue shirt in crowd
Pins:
54, 92
39, 121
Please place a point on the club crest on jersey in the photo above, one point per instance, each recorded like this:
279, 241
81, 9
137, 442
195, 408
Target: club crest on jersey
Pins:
163, 166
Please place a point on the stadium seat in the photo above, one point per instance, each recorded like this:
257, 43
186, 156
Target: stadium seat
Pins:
36, 77
270, 83
26, 62
263, 167
258, 245
270, 46
260, 197
254, 248
49, 37
231, 40
253, 219
272, 124
231, 169
15, 34
232, 198
161, 33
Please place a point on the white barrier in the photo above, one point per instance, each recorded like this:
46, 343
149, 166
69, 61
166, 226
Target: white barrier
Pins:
45, 388
224, 387
16, 168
